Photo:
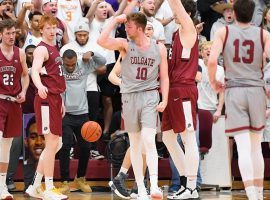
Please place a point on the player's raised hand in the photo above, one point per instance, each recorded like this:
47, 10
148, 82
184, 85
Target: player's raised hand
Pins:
121, 18
42, 92
161, 106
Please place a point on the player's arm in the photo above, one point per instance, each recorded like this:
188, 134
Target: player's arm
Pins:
108, 42
40, 55
216, 49
65, 38
94, 60
91, 12
24, 78
115, 73
188, 30
164, 78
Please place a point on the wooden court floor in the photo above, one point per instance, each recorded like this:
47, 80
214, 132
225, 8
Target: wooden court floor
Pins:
205, 195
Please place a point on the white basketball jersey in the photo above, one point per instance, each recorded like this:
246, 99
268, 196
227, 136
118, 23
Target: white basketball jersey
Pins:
70, 12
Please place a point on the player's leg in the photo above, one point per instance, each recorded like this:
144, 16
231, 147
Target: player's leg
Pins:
83, 156
118, 182
137, 162
5, 144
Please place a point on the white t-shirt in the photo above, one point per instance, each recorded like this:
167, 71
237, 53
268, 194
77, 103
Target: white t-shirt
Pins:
165, 12
207, 96
91, 84
158, 29
70, 12
95, 31
30, 39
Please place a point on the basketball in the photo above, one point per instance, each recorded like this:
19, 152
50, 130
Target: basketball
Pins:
91, 131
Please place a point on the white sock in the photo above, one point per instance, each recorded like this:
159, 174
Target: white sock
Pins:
251, 193
154, 181
124, 170
37, 179
191, 184
259, 192
49, 183
3, 177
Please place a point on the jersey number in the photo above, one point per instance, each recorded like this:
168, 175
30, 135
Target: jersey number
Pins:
8, 79
141, 73
69, 15
60, 70
248, 59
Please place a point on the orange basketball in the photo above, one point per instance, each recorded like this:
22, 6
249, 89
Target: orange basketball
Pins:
91, 131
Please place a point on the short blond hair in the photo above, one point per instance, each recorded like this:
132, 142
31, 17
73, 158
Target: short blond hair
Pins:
205, 43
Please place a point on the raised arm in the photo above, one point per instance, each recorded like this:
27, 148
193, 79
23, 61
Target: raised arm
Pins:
91, 12
122, 6
108, 42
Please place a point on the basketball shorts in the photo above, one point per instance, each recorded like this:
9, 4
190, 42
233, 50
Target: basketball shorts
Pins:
245, 110
48, 114
10, 118
140, 110
180, 113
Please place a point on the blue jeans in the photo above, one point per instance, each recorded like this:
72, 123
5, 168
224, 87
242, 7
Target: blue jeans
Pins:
175, 175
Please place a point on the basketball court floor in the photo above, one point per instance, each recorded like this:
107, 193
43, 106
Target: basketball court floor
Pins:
204, 195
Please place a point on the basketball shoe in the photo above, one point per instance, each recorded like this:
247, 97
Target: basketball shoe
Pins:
156, 193
82, 184
118, 186
142, 195
4, 194
64, 188
53, 194
176, 194
187, 194
35, 192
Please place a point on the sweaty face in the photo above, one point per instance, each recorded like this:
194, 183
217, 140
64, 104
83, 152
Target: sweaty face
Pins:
70, 64
50, 8
82, 37
131, 29
35, 142
148, 7
8, 36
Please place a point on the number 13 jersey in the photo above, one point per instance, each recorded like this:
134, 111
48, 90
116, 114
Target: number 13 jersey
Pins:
140, 68
243, 56
10, 73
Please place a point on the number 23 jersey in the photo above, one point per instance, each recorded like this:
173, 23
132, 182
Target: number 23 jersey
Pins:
243, 56
10, 73
140, 68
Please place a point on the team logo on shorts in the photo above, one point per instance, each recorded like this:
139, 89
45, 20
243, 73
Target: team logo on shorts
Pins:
45, 128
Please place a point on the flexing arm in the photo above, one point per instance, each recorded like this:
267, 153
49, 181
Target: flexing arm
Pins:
108, 42
40, 55
24, 78
216, 49
164, 78
115, 73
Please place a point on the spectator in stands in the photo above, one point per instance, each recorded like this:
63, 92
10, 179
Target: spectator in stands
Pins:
76, 72
82, 44
31, 32
98, 18
266, 133
266, 19
208, 99
7, 10
224, 8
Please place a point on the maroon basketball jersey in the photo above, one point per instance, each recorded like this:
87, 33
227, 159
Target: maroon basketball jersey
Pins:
59, 34
182, 63
53, 79
10, 73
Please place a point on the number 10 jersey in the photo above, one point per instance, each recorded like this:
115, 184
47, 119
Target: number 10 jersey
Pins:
140, 68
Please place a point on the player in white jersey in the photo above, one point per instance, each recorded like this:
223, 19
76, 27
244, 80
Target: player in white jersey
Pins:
243, 46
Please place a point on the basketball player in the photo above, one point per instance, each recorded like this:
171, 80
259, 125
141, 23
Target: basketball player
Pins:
243, 46
49, 107
76, 72
14, 81
143, 58
180, 114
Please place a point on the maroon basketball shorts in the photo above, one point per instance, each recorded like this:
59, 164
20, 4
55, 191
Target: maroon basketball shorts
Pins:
10, 118
48, 114
180, 113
